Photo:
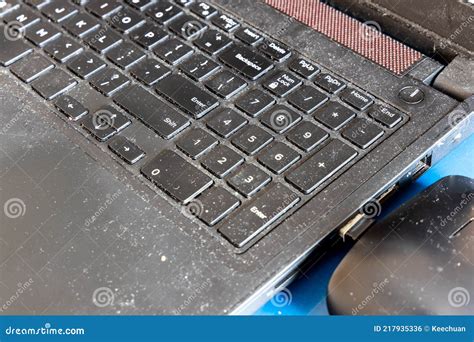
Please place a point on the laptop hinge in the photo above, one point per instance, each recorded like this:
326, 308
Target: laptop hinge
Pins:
457, 79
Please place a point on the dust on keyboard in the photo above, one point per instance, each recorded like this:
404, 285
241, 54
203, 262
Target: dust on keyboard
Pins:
276, 126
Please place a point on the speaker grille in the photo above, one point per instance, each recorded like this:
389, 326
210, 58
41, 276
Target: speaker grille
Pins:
363, 38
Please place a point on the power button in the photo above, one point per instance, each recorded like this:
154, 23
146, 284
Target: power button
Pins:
411, 95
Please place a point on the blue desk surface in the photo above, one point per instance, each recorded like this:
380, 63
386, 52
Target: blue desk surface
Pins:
307, 294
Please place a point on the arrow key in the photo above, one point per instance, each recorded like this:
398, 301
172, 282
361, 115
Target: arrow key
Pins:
126, 150
71, 107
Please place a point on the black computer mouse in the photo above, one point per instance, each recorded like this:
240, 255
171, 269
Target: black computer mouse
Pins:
419, 260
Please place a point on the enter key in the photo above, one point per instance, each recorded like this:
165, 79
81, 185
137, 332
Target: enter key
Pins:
268, 207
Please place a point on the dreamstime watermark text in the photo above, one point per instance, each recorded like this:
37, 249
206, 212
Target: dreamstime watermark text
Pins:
108, 202
466, 199
46, 330
376, 289
21, 288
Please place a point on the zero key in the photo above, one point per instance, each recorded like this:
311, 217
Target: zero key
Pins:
175, 176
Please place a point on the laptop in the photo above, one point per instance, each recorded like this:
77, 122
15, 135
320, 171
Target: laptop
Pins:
187, 157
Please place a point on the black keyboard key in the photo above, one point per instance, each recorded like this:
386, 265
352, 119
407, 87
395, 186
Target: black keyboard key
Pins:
265, 209
248, 36
203, 9
173, 51
307, 136
105, 123
109, 116
85, 65
321, 166
164, 12
126, 150
362, 133
175, 176
388, 117
63, 48
21, 18
70, 107
249, 180
101, 131
212, 42
252, 139
199, 67
329, 83
246, 61
187, 95
103, 8
53, 84
196, 142
184, 3
275, 50
226, 84
59, 10
215, 204
148, 35
156, 114
307, 99
304, 68
31, 67
278, 157
37, 3
150, 71
221, 161
81, 25
334, 115
119, 120
8, 6
103, 40
226, 122
282, 83
126, 20
125, 55
356, 99
11, 49
187, 27
109, 81
225, 22
254, 102
139, 4
280, 118
42, 33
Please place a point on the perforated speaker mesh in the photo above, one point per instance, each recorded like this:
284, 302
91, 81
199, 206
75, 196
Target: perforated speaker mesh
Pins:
363, 38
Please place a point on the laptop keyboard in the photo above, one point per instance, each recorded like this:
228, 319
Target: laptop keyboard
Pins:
257, 128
